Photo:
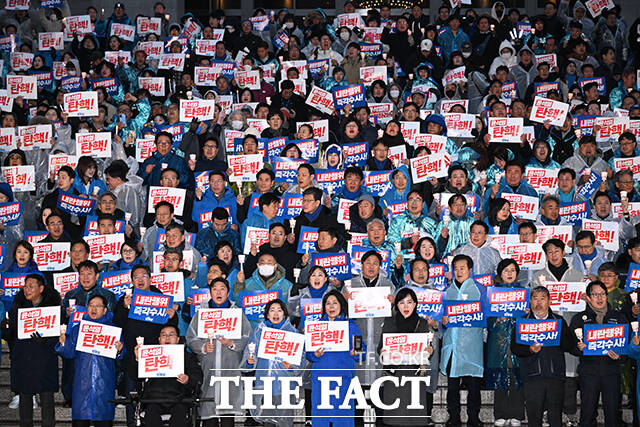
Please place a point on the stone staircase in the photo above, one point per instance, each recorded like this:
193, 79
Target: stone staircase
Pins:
9, 417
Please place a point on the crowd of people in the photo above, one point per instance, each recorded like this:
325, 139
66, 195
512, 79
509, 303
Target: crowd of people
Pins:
283, 161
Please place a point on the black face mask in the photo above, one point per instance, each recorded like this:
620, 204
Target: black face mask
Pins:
450, 93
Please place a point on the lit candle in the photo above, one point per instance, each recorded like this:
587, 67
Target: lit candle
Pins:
578, 332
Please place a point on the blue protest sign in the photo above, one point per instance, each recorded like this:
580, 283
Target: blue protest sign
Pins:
150, 306
10, 213
378, 182
429, 302
11, 284
50, 4
117, 281
353, 95
336, 264
307, 240
309, 149
198, 295
633, 277
71, 84
330, 179
541, 89
286, 169
574, 212
227, 69
310, 310
274, 146
280, 40
371, 50
110, 84
464, 314
44, 79
77, 314
75, 205
510, 90
589, 188
506, 302
546, 332
292, 206
485, 280
437, 277
254, 302
355, 154
318, 68
8, 43
599, 339
602, 86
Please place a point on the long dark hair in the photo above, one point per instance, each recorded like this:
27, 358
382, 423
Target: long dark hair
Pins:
343, 302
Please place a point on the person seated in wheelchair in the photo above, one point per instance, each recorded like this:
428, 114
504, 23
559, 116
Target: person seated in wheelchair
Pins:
170, 390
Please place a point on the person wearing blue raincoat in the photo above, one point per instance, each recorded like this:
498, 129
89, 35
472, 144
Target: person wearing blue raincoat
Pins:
401, 184
627, 148
94, 381
264, 216
435, 124
542, 156
411, 222
512, 182
353, 187
217, 195
500, 220
453, 232
339, 364
276, 316
502, 370
500, 156
152, 167
269, 276
219, 230
462, 353
336, 80
131, 125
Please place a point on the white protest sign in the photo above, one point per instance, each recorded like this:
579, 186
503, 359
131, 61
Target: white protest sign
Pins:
220, 322
98, 339
281, 346
160, 361
369, 302
175, 196
330, 336
43, 320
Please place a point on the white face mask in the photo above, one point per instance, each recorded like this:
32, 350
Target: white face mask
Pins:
71, 73
344, 35
83, 130
266, 270
394, 93
236, 124
466, 54
505, 56
288, 25
53, 17
247, 67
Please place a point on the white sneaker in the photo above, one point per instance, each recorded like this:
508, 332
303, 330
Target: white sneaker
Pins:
500, 422
15, 402
35, 402
514, 423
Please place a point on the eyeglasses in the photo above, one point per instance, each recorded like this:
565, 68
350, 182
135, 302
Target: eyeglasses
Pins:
140, 276
96, 306
168, 335
598, 295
